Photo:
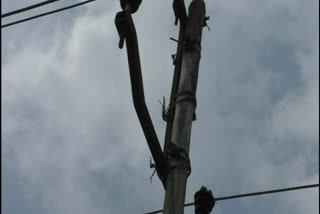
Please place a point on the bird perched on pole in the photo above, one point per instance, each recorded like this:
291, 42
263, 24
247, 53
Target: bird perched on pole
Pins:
130, 5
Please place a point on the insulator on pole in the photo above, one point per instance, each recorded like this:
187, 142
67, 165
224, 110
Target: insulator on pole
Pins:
204, 201
130, 5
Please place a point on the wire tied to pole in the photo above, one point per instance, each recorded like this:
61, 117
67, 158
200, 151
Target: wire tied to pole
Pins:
178, 153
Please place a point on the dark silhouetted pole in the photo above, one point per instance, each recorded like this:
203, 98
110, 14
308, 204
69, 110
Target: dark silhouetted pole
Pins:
127, 33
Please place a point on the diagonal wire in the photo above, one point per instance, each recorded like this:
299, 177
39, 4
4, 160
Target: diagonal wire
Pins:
28, 8
47, 13
250, 194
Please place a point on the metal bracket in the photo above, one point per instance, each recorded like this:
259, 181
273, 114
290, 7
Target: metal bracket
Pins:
205, 24
174, 58
165, 109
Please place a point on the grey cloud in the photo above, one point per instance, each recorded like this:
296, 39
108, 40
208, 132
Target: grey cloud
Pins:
72, 137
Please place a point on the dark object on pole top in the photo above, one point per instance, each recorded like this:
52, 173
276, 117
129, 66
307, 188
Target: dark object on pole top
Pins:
203, 201
130, 5
179, 10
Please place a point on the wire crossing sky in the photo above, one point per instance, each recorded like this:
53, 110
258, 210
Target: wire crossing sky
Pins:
71, 140
46, 14
27, 8
250, 194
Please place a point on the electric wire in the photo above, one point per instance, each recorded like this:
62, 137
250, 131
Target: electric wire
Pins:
250, 194
28, 8
47, 13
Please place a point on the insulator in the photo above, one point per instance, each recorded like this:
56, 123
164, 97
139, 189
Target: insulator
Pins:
131, 5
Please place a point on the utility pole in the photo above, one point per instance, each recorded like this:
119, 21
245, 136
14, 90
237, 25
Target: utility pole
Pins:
177, 149
173, 165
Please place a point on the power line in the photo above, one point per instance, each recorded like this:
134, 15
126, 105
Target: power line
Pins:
47, 13
250, 194
28, 8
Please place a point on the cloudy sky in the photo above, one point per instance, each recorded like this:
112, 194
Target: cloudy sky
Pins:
71, 140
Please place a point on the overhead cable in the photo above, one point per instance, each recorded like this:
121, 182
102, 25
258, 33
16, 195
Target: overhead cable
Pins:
28, 8
47, 13
250, 194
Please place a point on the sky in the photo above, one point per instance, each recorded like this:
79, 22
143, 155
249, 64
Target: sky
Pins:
71, 140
